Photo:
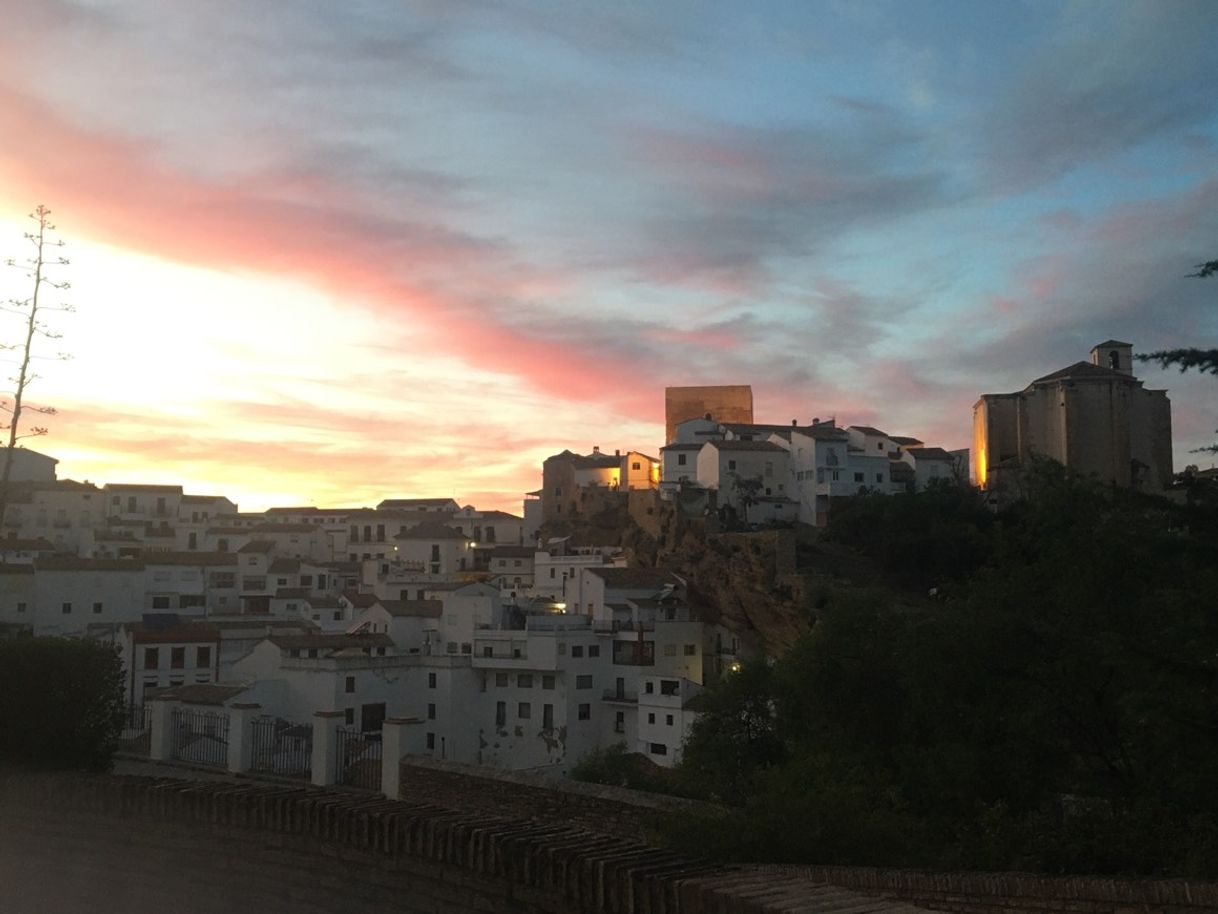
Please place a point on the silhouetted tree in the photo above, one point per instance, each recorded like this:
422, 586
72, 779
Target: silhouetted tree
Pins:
1202, 360
30, 311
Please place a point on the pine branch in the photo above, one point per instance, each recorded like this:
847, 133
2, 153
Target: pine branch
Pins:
1202, 360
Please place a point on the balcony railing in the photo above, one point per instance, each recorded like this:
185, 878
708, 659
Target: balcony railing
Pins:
621, 695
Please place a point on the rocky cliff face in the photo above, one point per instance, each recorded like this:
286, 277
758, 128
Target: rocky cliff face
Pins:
749, 582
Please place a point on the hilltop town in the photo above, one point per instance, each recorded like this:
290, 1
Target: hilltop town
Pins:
595, 617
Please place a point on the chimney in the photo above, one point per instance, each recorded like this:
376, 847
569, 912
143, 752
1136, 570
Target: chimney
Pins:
596, 449
794, 423
816, 420
617, 453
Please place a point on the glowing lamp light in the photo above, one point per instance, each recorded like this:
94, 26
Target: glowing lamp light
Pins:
734, 666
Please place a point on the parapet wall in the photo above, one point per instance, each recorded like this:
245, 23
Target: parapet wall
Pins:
146, 846
1008, 893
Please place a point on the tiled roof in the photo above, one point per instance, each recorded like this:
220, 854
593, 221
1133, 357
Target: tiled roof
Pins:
292, 593
746, 446
929, 453
499, 515
137, 487
868, 430
283, 528
284, 566
23, 545
413, 609
682, 447
513, 552
359, 600
189, 558
1108, 343
72, 563
16, 568
200, 694
418, 502
182, 633
1085, 370
330, 642
202, 499
595, 461
257, 546
636, 578
431, 530
904, 441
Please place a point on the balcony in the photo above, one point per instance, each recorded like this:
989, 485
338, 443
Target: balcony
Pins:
621, 695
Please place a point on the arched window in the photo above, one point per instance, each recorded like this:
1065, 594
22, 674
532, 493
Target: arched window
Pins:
1114, 360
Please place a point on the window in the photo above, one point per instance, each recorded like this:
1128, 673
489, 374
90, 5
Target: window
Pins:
20, 607
836, 475
547, 682
67, 609
562, 649
691, 650
431, 680
594, 650
649, 687
551, 572
879, 477
680, 460
668, 719
203, 657
651, 718
350, 685
635, 465
524, 681
858, 477
160, 602
669, 686
583, 682
151, 658
524, 710
500, 713
312, 653
670, 650
547, 717
489, 651
431, 741
97, 608
619, 722
501, 679
584, 712
349, 717
577, 650
338, 615
177, 658
659, 749
431, 711
731, 464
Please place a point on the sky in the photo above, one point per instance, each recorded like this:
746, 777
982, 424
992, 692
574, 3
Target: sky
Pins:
327, 253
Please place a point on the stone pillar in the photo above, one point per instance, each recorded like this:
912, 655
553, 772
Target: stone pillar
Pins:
241, 735
397, 739
160, 726
325, 747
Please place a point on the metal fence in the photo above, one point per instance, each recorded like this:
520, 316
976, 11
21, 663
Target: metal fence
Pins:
200, 737
281, 748
136, 735
359, 759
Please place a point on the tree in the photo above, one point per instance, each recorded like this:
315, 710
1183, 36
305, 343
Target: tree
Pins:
30, 311
1202, 360
61, 703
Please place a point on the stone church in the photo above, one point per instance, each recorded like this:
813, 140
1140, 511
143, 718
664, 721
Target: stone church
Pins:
1094, 417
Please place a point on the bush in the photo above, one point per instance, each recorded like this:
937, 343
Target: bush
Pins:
61, 703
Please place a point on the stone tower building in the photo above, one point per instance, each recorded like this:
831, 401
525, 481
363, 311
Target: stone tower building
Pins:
1094, 417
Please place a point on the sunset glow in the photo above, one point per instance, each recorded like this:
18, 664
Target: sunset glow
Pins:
413, 249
